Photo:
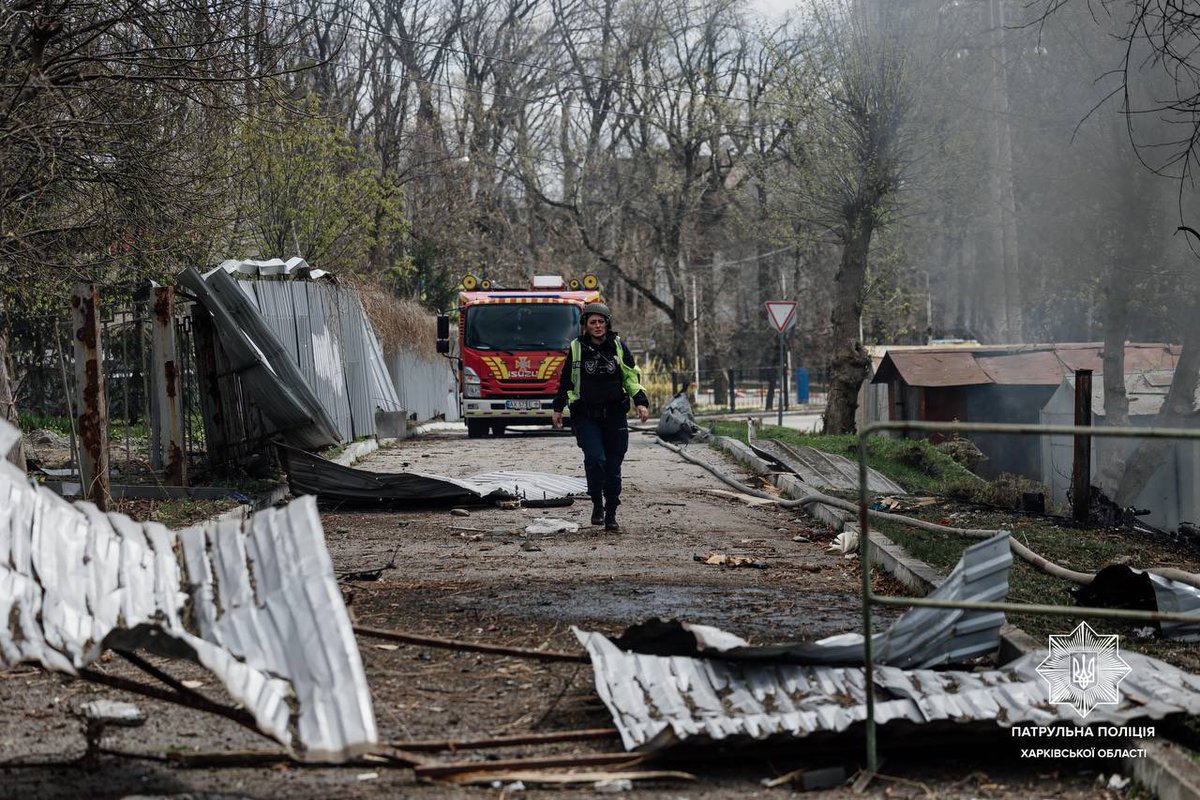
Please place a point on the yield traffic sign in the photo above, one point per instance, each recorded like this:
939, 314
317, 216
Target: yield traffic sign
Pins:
781, 314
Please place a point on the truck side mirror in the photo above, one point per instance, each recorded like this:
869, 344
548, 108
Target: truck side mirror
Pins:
443, 346
443, 326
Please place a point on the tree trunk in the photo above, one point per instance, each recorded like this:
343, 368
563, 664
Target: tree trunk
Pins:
8, 407
1179, 404
849, 362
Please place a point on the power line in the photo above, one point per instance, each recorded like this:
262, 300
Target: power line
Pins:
514, 62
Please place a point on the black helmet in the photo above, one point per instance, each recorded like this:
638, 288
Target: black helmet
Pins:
596, 308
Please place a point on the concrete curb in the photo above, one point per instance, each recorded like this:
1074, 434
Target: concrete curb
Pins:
357, 451
1166, 770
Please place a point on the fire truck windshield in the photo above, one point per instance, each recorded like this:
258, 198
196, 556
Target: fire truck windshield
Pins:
522, 326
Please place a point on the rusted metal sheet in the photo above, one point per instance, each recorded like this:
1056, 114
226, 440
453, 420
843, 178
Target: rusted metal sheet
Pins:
921, 637
658, 701
254, 600
311, 474
167, 446
1033, 368
931, 368
92, 402
256, 354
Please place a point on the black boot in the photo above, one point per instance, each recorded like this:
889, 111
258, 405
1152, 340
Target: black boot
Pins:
597, 513
611, 501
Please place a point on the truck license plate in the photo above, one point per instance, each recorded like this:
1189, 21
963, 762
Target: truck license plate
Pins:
522, 405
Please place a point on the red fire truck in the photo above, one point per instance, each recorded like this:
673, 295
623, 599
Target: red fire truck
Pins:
511, 348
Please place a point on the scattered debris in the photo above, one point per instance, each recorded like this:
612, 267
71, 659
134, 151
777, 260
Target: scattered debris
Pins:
612, 786
371, 574
551, 525
893, 503
726, 560
921, 637
677, 423
1121, 586
845, 544
809, 780
253, 600
99, 715
460, 512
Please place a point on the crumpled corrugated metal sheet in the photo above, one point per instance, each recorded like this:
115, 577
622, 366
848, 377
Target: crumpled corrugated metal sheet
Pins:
257, 355
1179, 598
656, 701
253, 600
921, 637
827, 470
294, 267
308, 473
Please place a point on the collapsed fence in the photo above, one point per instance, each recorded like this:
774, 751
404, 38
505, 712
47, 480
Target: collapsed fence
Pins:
207, 377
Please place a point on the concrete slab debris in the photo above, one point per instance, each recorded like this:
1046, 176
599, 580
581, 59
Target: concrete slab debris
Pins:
253, 600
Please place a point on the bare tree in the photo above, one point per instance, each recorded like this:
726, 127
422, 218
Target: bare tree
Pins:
111, 121
854, 151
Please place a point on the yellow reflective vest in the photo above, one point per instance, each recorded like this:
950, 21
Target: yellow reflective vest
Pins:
630, 375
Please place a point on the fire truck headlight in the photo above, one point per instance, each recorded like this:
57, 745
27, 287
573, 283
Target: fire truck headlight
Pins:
471, 383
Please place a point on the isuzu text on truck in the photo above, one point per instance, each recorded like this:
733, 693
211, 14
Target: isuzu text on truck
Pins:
512, 345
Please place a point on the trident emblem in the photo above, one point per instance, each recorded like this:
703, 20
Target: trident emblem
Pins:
1083, 669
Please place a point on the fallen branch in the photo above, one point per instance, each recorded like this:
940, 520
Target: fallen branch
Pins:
449, 771
471, 647
563, 778
435, 745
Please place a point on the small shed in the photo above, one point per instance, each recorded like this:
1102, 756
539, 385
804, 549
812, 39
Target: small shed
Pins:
996, 383
1172, 494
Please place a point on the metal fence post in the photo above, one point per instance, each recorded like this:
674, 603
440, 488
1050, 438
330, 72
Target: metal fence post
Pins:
1081, 469
92, 404
167, 414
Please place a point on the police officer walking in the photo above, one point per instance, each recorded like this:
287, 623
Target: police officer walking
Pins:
598, 381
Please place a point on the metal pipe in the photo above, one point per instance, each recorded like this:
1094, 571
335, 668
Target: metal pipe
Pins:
1033, 608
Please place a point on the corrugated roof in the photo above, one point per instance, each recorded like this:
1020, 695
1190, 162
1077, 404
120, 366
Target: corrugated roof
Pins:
933, 368
254, 600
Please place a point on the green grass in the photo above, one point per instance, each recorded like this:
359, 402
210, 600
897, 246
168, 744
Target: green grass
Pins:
915, 464
61, 424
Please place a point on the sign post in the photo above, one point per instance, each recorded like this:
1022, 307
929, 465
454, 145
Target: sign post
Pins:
782, 316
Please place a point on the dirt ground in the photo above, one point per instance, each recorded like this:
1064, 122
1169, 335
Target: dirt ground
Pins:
480, 578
